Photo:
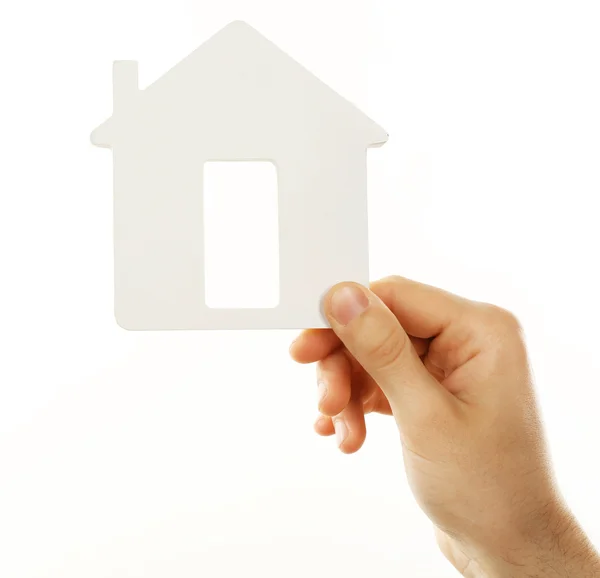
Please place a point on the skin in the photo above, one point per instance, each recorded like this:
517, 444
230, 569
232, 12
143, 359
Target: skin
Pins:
454, 375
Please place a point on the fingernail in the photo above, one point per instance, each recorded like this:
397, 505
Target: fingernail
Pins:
341, 431
347, 303
321, 390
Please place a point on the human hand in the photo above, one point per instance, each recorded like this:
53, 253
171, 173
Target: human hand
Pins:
455, 375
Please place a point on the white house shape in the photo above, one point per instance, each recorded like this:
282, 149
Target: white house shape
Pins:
237, 97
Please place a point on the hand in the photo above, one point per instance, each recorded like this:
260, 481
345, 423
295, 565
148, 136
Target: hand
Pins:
455, 376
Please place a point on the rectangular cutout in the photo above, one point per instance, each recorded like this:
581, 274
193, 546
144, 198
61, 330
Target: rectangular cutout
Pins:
241, 235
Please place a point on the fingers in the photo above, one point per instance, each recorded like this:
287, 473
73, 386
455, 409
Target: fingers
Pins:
345, 397
423, 311
324, 426
386, 331
349, 427
372, 334
314, 344
334, 378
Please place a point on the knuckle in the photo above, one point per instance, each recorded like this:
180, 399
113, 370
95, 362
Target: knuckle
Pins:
503, 318
389, 281
388, 349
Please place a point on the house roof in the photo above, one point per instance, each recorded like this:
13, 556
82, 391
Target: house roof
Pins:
228, 52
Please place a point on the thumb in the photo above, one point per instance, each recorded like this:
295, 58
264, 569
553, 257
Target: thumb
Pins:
374, 336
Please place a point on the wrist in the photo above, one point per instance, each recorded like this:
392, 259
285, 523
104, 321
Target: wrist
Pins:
553, 546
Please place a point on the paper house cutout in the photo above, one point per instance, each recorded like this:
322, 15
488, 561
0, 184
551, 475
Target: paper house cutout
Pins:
236, 97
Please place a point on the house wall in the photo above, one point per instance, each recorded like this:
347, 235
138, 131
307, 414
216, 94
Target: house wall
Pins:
158, 235
159, 255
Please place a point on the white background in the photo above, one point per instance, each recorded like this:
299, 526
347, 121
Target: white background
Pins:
192, 454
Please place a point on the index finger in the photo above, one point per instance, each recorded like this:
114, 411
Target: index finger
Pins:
422, 310
314, 344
